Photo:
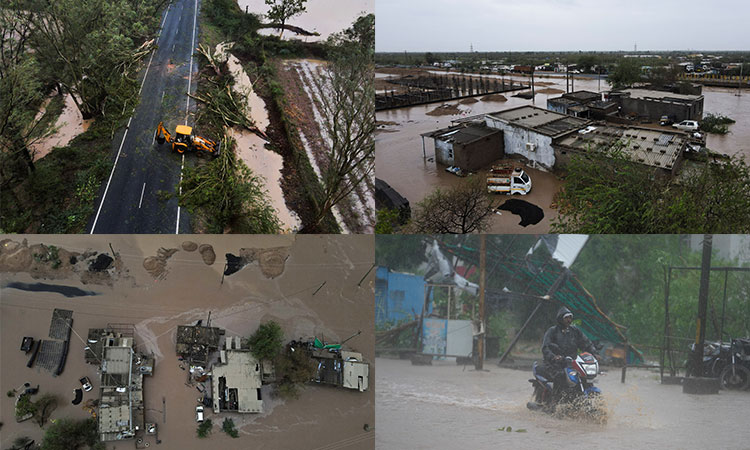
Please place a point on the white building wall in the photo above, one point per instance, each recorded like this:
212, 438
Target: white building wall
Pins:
444, 152
516, 139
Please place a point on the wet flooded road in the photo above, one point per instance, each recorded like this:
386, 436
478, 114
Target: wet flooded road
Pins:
186, 293
445, 406
726, 102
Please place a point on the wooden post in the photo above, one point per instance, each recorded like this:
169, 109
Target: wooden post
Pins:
697, 356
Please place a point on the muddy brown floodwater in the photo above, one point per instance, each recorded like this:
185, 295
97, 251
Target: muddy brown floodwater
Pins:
323, 16
322, 417
398, 145
449, 406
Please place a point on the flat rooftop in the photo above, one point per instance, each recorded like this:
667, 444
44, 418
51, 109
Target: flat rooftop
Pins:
582, 96
463, 134
661, 95
650, 147
237, 382
540, 120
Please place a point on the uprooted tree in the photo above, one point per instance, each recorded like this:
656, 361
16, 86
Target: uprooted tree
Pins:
345, 91
283, 10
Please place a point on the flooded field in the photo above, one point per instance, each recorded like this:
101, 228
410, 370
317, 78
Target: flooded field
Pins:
449, 406
251, 147
399, 152
322, 16
316, 293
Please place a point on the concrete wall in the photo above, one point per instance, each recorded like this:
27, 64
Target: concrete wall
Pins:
557, 107
654, 109
479, 154
515, 139
444, 152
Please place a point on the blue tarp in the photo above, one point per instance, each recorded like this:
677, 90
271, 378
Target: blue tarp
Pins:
398, 296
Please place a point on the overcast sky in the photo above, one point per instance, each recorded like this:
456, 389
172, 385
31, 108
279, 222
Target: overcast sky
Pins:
568, 25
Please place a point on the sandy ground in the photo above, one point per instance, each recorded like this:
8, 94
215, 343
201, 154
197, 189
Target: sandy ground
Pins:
187, 290
449, 406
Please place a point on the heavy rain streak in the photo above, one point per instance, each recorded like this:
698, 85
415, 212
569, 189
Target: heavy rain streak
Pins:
637, 298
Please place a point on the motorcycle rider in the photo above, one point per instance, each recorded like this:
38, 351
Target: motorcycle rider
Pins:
563, 340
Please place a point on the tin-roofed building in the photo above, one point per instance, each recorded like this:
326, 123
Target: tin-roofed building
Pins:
468, 146
121, 407
655, 148
196, 343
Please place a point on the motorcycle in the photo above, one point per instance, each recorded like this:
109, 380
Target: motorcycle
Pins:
736, 374
570, 393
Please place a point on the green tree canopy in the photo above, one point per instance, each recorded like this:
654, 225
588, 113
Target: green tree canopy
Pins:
627, 72
266, 342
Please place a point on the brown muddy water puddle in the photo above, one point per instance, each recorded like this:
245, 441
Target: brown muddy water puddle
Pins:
186, 293
323, 16
251, 147
449, 406
69, 125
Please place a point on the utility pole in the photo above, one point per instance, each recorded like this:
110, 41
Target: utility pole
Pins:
479, 360
700, 336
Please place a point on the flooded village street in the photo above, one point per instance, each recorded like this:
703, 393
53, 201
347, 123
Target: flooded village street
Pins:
450, 406
310, 285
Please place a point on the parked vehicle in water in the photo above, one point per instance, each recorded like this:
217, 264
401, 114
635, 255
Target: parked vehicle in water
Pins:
736, 373
506, 180
687, 125
199, 413
86, 383
573, 387
665, 120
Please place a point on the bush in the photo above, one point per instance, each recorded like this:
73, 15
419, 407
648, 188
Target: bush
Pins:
25, 406
293, 368
67, 434
716, 123
204, 429
228, 428
266, 343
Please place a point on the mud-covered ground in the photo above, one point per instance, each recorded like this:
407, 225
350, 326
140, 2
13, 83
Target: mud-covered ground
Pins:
450, 406
159, 282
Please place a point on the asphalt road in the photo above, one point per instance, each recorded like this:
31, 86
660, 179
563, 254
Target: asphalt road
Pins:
134, 197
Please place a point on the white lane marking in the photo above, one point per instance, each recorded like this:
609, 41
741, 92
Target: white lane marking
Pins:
173, 47
187, 106
162, 95
117, 158
177, 228
142, 191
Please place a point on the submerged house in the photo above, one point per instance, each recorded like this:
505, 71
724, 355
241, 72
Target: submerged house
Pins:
469, 146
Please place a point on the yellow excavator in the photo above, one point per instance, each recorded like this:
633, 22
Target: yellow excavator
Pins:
184, 141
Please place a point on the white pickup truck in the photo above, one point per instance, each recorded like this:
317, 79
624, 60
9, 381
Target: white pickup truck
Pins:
507, 180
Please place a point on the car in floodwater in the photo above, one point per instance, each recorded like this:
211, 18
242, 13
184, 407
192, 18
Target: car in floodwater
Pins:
687, 125
86, 383
199, 413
